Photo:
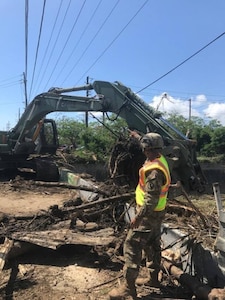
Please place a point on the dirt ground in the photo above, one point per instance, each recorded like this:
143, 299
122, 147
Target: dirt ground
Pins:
68, 273
74, 271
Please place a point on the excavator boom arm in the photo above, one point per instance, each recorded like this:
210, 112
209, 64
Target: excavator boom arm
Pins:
110, 97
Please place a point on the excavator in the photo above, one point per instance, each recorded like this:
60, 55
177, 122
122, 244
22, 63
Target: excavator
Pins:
35, 136
33, 142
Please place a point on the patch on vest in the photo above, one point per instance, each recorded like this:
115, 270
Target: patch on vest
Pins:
151, 186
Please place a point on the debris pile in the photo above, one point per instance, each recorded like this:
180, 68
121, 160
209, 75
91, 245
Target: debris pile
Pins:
106, 211
101, 224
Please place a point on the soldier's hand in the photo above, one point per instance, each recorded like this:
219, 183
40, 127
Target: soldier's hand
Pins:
135, 223
134, 134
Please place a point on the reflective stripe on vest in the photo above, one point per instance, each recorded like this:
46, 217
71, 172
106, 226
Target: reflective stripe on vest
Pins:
161, 164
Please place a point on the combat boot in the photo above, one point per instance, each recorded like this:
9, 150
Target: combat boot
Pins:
122, 292
149, 280
154, 279
143, 280
143, 277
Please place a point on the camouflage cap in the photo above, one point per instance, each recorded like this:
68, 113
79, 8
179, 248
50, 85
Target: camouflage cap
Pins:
152, 140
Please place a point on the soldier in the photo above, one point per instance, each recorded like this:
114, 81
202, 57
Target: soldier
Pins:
145, 228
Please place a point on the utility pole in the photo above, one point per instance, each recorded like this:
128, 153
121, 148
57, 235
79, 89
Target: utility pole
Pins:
87, 94
188, 133
189, 109
25, 88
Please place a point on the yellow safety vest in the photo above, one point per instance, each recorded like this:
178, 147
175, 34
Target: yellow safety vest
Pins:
161, 164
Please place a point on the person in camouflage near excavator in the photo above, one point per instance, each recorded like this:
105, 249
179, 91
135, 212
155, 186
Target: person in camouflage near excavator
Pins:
144, 234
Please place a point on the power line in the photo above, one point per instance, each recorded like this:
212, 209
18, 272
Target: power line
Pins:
49, 41
94, 37
37, 49
176, 94
26, 48
67, 40
81, 36
182, 63
10, 102
56, 40
110, 44
9, 79
159, 91
12, 83
26, 34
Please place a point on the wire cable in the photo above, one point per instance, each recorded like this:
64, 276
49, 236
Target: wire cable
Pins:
37, 49
81, 36
12, 83
94, 37
26, 35
9, 79
67, 40
49, 41
56, 40
15, 80
170, 71
111, 43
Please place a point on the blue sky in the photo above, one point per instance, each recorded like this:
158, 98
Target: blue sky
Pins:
132, 41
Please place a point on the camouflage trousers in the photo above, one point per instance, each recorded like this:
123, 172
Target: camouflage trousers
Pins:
147, 241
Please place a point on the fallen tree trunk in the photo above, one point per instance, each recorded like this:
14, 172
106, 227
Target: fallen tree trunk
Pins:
200, 290
122, 197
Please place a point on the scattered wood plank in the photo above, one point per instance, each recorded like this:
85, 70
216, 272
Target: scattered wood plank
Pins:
53, 239
22, 269
4, 250
182, 209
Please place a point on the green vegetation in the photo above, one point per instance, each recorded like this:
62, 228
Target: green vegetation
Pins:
94, 143
210, 137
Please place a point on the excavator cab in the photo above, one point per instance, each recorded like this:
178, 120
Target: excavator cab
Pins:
41, 139
47, 142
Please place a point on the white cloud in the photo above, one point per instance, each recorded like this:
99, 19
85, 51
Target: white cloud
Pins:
216, 111
169, 105
199, 107
200, 100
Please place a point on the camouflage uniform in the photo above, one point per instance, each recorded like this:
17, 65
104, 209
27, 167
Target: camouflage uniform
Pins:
147, 236
145, 228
